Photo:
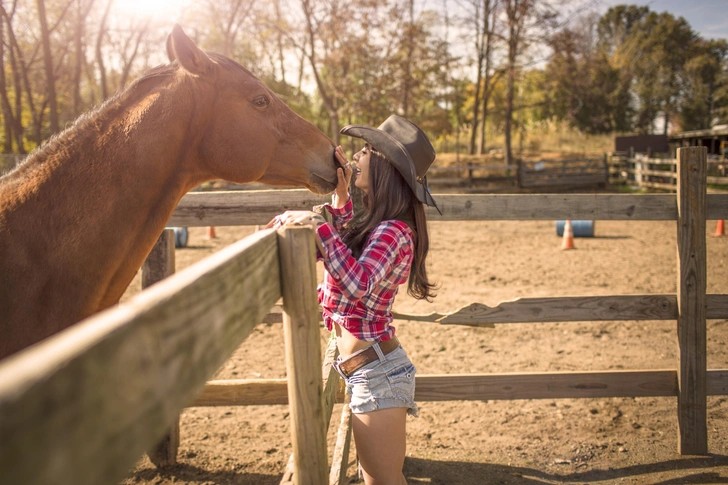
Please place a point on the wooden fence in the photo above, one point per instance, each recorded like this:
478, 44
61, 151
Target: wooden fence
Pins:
81, 407
555, 174
658, 173
540, 175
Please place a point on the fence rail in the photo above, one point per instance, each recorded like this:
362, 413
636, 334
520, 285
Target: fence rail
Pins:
259, 207
477, 387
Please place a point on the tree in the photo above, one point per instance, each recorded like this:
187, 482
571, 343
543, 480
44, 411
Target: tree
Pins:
526, 19
7, 110
665, 43
83, 7
48, 63
706, 77
100, 37
483, 19
585, 90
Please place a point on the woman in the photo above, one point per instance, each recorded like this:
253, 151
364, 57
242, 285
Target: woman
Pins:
366, 259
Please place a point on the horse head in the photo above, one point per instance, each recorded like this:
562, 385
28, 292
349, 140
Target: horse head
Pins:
246, 133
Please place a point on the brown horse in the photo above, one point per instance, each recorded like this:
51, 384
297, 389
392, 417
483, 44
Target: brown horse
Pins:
80, 215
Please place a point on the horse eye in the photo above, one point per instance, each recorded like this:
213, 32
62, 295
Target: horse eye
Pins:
261, 102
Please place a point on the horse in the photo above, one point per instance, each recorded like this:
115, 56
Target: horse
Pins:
80, 215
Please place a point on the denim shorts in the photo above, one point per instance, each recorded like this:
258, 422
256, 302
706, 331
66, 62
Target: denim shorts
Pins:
385, 383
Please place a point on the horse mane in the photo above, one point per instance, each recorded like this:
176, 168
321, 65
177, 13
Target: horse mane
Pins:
228, 63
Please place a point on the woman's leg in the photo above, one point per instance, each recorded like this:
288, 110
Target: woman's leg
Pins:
380, 443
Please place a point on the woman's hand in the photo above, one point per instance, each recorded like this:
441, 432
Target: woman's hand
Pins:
296, 218
343, 174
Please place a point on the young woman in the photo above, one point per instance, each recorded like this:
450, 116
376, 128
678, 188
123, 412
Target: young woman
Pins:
366, 259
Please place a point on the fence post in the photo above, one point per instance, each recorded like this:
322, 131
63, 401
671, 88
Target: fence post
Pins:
691, 288
638, 167
158, 265
297, 250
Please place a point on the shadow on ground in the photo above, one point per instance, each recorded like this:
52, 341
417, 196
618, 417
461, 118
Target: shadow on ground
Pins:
182, 473
696, 470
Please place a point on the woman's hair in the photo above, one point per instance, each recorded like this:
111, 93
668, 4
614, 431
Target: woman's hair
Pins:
389, 198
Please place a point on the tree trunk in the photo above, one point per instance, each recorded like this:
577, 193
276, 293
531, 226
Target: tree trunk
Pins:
328, 99
20, 79
407, 81
279, 42
480, 48
99, 54
7, 111
48, 63
509, 101
129, 62
490, 10
514, 15
80, 53
486, 97
476, 106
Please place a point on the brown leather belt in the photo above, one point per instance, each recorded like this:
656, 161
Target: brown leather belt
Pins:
356, 361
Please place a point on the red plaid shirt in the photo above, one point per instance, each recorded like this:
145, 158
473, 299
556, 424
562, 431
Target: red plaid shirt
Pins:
358, 294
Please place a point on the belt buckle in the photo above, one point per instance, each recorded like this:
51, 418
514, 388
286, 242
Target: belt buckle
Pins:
335, 365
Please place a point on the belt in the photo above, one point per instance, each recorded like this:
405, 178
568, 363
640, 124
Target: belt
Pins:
356, 361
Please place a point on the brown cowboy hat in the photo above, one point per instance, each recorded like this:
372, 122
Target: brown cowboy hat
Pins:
406, 146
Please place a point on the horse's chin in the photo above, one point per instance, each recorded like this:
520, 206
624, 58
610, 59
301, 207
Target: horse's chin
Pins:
319, 185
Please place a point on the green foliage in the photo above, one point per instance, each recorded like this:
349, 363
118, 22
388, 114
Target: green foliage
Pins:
639, 67
584, 89
705, 85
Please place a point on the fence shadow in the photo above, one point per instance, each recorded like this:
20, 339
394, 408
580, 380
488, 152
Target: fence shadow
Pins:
191, 474
453, 472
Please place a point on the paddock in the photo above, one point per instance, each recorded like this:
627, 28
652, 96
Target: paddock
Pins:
433, 348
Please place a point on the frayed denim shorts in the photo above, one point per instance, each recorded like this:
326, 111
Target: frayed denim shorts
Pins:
385, 383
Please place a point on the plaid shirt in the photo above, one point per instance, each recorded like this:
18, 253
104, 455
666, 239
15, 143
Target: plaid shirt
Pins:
358, 294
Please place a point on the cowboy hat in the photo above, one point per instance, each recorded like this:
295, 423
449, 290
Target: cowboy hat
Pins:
406, 146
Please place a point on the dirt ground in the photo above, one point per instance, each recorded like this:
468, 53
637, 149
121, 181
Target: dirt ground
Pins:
593, 441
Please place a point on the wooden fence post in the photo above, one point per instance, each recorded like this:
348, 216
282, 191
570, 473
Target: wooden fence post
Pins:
158, 265
297, 250
691, 301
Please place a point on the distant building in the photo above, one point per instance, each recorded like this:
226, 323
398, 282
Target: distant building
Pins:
716, 140
648, 144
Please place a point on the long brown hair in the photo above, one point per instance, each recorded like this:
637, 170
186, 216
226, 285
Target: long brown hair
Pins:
390, 198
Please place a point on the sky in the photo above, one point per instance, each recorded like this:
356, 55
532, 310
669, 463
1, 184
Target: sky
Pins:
709, 18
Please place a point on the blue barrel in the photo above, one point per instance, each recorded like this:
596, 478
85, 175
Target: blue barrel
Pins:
580, 228
181, 235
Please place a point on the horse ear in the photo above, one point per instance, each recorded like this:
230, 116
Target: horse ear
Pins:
190, 57
170, 50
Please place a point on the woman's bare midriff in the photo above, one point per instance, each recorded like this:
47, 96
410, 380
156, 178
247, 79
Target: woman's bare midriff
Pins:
347, 343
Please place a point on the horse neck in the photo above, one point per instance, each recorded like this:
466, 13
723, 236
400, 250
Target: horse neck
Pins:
107, 186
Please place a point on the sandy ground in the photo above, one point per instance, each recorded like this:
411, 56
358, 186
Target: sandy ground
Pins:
592, 441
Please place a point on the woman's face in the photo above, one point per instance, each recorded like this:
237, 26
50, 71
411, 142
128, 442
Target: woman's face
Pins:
362, 168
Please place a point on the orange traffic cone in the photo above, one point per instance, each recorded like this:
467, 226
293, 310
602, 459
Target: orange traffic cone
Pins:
211, 232
719, 228
568, 240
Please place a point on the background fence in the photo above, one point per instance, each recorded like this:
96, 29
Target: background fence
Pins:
658, 173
